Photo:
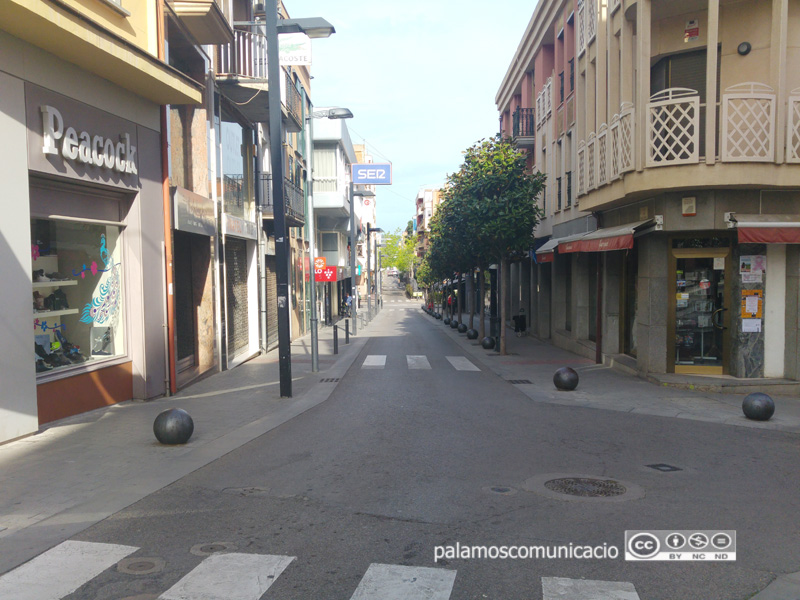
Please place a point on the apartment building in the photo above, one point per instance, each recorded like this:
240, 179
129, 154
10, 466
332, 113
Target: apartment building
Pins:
333, 156
670, 137
428, 198
82, 86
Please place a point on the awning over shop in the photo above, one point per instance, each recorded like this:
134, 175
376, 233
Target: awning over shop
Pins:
603, 240
767, 229
545, 252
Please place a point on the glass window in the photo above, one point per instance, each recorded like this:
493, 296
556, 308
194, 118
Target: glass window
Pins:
78, 312
236, 153
324, 169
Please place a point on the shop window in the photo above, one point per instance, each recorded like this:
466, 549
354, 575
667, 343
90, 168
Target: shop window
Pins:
78, 312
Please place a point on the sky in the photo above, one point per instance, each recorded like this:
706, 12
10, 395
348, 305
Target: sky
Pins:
420, 78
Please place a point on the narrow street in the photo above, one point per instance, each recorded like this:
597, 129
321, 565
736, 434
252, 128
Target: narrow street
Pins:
420, 448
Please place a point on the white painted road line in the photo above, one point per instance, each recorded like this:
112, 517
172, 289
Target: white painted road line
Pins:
61, 570
417, 361
233, 576
395, 582
561, 588
374, 361
461, 363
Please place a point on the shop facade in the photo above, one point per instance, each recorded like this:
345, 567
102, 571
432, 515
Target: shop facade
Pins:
83, 231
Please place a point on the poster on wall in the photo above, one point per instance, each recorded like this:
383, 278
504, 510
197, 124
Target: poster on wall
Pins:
691, 32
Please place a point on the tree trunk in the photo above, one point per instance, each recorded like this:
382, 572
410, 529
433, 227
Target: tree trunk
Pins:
471, 297
504, 285
459, 300
482, 293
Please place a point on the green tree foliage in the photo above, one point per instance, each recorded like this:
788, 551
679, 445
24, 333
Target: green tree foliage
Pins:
488, 212
398, 251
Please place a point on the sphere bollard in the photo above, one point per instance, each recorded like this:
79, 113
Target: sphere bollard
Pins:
565, 379
447, 320
487, 343
462, 328
453, 324
438, 316
758, 406
472, 334
173, 426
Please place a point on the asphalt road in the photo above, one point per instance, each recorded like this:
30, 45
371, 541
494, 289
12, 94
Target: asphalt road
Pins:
402, 459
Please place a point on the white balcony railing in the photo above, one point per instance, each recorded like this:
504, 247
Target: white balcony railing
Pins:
581, 22
613, 5
245, 57
602, 155
748, 123
591, 162
591, 21
793, 128
673, 128
581, 168
544, 103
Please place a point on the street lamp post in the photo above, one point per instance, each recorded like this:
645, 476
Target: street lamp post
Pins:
353, 254
331, 113
315, 28
370, 231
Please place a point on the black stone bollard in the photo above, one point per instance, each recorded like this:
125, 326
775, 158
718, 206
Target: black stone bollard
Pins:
335, 339
447, 320
758, 406
487, 343
347, 332
173, 426
565, 379
462, 328
472, 334
453, 324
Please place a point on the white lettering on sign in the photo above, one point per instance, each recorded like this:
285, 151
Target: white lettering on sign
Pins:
91, 150
373, 174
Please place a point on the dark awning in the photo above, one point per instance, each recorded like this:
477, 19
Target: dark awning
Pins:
767, 229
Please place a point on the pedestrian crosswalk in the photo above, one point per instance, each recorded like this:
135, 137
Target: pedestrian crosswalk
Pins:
64, 569
418, 362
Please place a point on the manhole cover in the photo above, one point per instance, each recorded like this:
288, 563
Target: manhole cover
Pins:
503, 490
664, 467
141, 566
585, 487
329, 380
212, 548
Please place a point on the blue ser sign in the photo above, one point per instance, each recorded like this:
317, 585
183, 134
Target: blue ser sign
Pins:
372, 174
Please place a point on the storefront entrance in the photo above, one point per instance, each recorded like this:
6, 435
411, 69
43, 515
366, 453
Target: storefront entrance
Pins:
699, 323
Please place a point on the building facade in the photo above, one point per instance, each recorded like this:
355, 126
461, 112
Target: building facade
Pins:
83, 229
669, 135
428, 198
333, 156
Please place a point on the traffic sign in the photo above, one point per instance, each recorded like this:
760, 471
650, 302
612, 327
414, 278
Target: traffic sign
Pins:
372, 174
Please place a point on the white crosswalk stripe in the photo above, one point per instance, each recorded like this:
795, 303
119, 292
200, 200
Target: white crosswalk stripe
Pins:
461, 363
395, 582
61, 570
374, 361
561, 588
417, 361
232, 576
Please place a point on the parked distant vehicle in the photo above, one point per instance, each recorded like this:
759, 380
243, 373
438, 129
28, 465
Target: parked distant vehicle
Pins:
391, 271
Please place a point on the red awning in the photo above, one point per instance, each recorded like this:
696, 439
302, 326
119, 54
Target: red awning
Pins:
768, 229
604, 240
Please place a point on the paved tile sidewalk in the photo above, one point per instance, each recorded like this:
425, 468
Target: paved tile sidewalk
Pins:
607, 388
79, 470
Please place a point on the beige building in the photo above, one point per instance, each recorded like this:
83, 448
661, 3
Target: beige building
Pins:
670, 135
428, 199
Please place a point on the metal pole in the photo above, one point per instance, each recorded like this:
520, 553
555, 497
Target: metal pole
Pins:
278, 204
346, 331
312, 243
369, 274
379, 297
353, 235
335, 339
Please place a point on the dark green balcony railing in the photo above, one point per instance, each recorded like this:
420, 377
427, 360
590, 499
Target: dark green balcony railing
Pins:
524, 123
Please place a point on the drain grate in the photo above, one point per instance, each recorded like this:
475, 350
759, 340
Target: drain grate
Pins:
329, 380
520, 381
664, 467
585, 487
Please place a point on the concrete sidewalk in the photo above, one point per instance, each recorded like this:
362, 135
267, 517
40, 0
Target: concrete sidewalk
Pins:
77, 471
710, 399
